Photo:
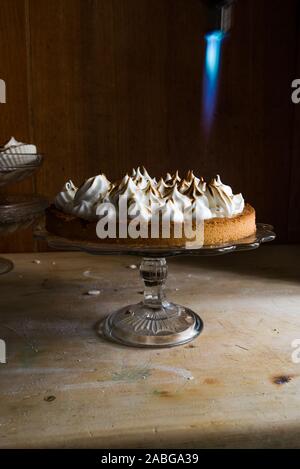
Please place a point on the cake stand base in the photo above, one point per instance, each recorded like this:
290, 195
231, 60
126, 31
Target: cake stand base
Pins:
5, 266
154, 322
140, 326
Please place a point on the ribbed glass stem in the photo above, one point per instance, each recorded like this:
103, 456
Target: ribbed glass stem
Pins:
154, 272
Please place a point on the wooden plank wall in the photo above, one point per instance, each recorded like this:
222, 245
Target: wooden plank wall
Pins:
294, 189
110, 84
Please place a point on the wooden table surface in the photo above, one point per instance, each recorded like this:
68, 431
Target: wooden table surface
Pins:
236, 385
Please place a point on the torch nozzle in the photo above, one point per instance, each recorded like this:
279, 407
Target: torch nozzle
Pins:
220, 15
226, 17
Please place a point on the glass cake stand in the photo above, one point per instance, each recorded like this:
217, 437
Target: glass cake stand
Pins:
155, 321
18, 212
18, 166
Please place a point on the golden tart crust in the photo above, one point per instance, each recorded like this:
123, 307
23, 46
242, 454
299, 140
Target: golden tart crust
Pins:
216, 230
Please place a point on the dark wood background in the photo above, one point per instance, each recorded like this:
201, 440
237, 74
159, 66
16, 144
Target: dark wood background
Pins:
105, 85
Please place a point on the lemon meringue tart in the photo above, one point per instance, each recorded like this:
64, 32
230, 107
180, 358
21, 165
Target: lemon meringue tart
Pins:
77, 213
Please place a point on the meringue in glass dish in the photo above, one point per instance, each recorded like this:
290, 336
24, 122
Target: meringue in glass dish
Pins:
18, 153
77, 213
18, 161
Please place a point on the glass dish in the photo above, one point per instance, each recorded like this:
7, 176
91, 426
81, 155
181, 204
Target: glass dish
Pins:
20, 211
155, 321
17, 166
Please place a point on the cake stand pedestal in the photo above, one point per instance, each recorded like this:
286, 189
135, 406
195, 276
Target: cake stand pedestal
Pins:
155, 321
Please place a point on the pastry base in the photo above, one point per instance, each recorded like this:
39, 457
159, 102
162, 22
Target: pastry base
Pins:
216, 230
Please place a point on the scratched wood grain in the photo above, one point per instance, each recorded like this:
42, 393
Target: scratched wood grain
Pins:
234, 386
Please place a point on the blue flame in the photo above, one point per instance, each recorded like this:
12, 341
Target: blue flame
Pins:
210, 83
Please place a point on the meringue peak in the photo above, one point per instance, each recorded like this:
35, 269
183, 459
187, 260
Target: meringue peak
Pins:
193, 191
170, 195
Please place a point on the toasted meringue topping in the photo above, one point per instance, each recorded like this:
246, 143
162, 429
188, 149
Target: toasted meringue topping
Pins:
92, 189
65, 198
85, 210
179, 199
141, 178
175, 178
193, 191
183, 185
163, 187
168, 177
172, 196
171, 211
221, 199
